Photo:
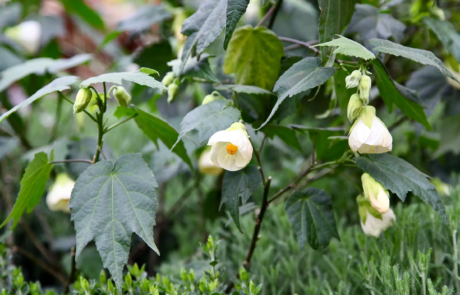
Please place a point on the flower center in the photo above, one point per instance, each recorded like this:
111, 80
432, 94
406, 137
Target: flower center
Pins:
231, 149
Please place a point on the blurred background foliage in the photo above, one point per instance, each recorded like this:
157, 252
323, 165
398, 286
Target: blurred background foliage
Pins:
419, 255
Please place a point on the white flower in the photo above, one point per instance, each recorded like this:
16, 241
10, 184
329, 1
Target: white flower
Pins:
369, 135
231, 148
206, 166
59, 195
352, 80
27, 34
377, 195
374, 226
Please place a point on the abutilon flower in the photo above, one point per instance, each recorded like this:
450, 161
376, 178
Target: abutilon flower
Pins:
206, 166
369, 135
352, 80
59, 195
231, 148
373, 222
27, 34
377, 195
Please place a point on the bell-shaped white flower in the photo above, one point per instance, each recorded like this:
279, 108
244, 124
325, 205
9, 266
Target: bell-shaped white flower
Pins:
369, 135
374, 226
352, 80
27, 34
59, 195
231, 148
377, 195
206, 166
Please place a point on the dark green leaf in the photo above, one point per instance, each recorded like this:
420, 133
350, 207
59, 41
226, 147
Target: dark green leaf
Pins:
235, 9
199, 69
335, 15
244, 89
144, 18
400, 177
418, 55
286, 134
302, 76
111, 201
251, 65
117, 78
446, 33
239, 184
391, 93
155, 56
343, 94
450, 136
60, 84
310, 214
33, 186
80, 8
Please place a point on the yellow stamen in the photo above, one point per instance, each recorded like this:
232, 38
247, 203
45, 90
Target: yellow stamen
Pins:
231, 149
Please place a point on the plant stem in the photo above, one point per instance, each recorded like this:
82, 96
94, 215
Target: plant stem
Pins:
72, 161
100, 130
295, 41
72, 271
277, 8
119, 123
267, 15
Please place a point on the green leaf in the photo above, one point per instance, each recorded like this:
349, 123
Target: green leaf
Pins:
244, 89
400, 177
422, 56
254, 55
109, 202
349, 47
60, 84
144, 18
33, 185
9, 59
302, 76
310, 214
239, 184
117, 78
208, 119
391, 93
155, 128
67, 63
335, 15
235, 10
446, 33
286, 134
450, 136
203, 27
79, 8
155, 56
198, 69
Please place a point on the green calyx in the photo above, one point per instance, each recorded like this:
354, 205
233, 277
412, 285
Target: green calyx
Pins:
367, 115
238, 126
365, 206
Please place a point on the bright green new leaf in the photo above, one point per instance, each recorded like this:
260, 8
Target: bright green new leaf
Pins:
254, 56
349, 47
446, 33
60, 84
140, 78
286, 134
239, 184
310, 214
399, 95
33, 185
418, 55
244, 89
235, 10
109, 202
400, 177
208, 119
302, 76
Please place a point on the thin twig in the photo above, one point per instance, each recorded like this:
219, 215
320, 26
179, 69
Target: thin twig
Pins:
302, 43
72, 271
72, 161
277, 8
267, 15
119, 123
103, 155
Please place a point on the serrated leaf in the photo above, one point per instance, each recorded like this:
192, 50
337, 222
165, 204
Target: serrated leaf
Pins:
235, 10
33, 185
60, 84
239, 185
155, 128
348, 47
244, 89
199, 69
117, 78
421, 56
144, 18
208, 119
109, 202
286, 134
302, 76
400, 177
446, 33
392, 93
203, 27
250, 64
311, 216
335, 15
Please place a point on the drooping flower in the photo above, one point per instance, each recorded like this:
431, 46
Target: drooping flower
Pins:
122, 96
59, 195
365, 84
377, 195
27, 34
354, 107
231, 148
373, 222
352, 80
206, 166
369, 135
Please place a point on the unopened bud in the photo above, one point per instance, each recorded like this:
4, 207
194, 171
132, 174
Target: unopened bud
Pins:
172, 92
212, 97
354, 107
122, 96
191, 276
353, 79
93, 106
168, 79
83, 99
377, 195
365, 88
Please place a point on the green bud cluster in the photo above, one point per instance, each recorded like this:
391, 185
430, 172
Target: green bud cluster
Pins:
360, 79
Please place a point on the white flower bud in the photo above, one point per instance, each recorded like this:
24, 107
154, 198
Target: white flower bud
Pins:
206, 166
172, 92
122, 96
231, 148
377, 195
354, 107
27, 34
365, 88
168, 79
212, 97
369, 135
352, 80
375, 226
59, 195
83, 99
